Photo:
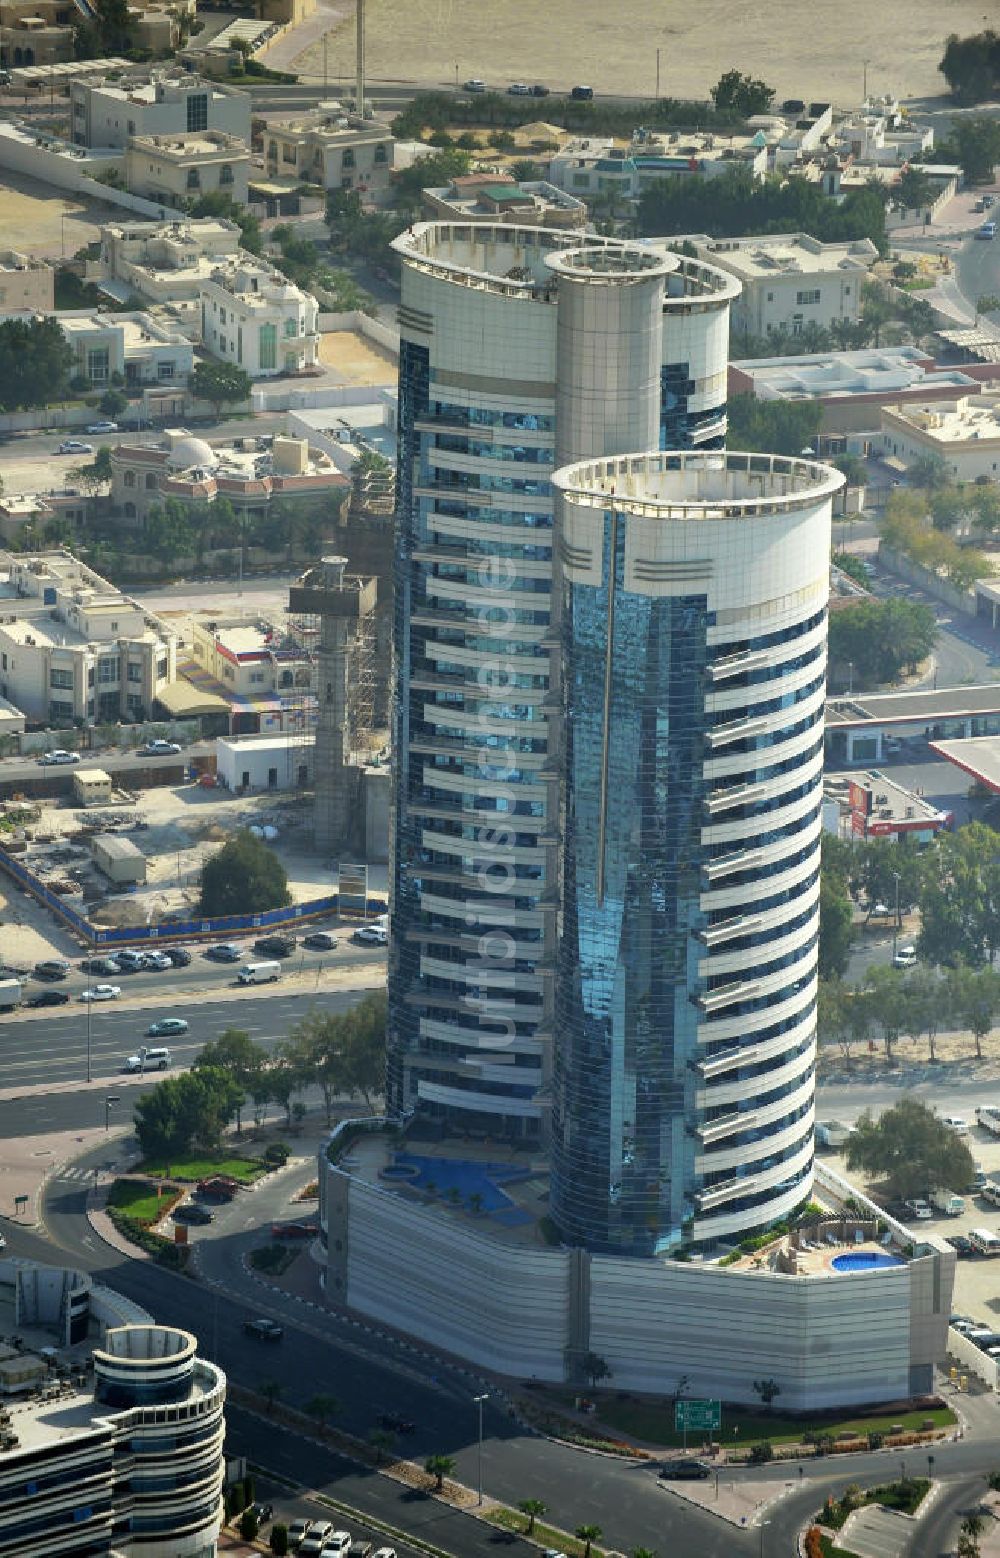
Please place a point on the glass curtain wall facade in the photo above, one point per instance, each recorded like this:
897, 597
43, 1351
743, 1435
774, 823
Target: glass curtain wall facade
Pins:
693, 639
516, 353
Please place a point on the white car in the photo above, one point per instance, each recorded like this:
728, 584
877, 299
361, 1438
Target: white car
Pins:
103, 427
336, 1545
372, 935
74, 446
956, 1123
918, 1209
59, 755
159, 749
101, 993
906, 957
158, 960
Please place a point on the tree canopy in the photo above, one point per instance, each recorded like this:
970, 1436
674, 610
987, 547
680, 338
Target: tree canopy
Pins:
836, 913
220, 383
737, 204
237, 1056
35, 363
975, 143
342, 1052
911, 1150
971, 66
742, 95
960, 897
772, 426
243, 877
185, 1111
881, 639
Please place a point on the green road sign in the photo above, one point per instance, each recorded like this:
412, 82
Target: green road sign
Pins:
695, 1415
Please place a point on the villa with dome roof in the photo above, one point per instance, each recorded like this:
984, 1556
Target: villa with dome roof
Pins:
250, 471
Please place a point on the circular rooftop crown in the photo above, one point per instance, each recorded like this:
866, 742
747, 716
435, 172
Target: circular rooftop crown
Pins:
191, 451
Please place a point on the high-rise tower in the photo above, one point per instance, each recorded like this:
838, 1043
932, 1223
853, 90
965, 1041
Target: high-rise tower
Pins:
519, 351
693, 659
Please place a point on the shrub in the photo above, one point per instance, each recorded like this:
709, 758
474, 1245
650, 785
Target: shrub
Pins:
761, 1452
235, 1502
279, 1539
248, 1525
277, 1154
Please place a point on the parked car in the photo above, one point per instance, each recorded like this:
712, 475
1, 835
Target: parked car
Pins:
320, 940
97, 966
159, 749
224, 952
166, 1025
263, 1512
316, 1536
988, 230
396, 1424
695, 1471
298, 1527
475, 85
906, 957
961, 1245
360, 1549
265, 1331
191, 1212
74, 446
130, 961
101, 993
48, 998
218, 1187
580, 95
519, 89
51, 968
57, 757
336, 1545
538, 90
275, 946
159, 961
103, 427
180, 957
956, 1123
371, 935
918, 1208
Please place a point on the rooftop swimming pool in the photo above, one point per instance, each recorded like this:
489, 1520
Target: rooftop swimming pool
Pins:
458, 1179
865, 1260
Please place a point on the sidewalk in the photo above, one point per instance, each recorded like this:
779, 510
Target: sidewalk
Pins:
738, 1501
28, 1161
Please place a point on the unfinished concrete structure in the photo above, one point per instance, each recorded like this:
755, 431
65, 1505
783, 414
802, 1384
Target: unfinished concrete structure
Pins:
335, 612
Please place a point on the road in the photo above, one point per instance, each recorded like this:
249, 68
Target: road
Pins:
977, 265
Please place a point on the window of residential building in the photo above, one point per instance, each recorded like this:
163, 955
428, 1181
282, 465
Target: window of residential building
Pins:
197, 111
57, 708
239, 344
109, 668
812, 296
60, 678
267, 346
129, 510
347, 160
135, 671
289, 153
346, 182
133, 700
130, 478
272, 150
380, 153
226, 173
164, 370
98, 364
193, 179
161, 668
291, 362
291, 328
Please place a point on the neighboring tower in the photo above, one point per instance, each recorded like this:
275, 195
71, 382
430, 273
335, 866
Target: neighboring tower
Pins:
693, 634
518, 351
343, 607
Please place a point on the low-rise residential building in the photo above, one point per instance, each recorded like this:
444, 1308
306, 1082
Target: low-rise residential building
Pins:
266, 678
73, 647
166, 261
110, 113
177, 168
333, 148
251, 472
880, 133
25, 282
143, 350
255, 317
591, 166
791, 280
964, 433
496, 198
850, 387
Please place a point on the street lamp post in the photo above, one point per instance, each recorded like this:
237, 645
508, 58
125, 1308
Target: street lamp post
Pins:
480, 1402
657, 75
112, 1099
90, 1017
762, 1525
930, 1467
895, 923
850, 678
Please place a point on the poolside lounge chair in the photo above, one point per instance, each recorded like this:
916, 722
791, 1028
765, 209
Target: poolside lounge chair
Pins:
886, 1238
859, 1237
832, 1240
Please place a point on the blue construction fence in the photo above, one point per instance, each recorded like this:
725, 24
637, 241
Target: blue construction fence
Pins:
175, 930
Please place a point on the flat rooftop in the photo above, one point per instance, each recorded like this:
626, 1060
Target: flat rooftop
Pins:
902, 707
892, 802
791, 253
978, 756
964, 420
831, 375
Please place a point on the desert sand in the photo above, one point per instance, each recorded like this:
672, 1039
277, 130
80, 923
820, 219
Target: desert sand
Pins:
802, 50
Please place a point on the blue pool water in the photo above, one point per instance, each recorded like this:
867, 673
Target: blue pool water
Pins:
484, 1179
865, 1260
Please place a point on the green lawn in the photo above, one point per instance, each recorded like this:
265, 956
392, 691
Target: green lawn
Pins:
138, 1199
246, 1169
829, 1551
653, 1422
545, 1536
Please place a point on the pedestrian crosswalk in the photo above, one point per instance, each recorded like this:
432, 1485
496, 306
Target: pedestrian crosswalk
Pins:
80, 1176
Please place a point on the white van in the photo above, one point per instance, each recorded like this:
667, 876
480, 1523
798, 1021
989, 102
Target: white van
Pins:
148, 1060
984, 1242
259, 973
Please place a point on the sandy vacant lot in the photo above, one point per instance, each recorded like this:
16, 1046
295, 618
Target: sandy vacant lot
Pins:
356, 359
803, 52
32, 217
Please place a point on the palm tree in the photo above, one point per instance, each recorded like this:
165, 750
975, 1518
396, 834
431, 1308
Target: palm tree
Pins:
587, 1534
322, 1408
439, 1467
643, 1552
270, 1389
534, 1509
381, 1441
